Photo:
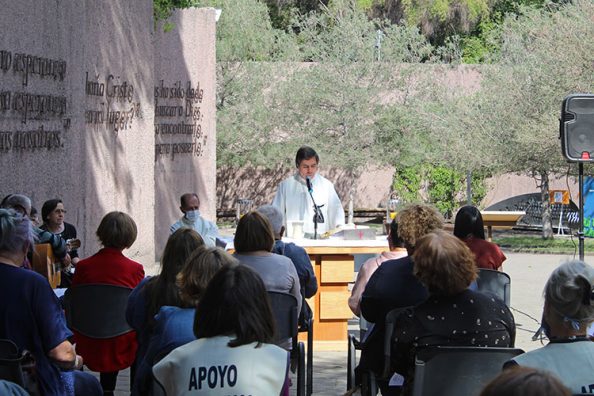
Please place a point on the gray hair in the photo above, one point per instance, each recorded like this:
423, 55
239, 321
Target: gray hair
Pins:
569, 291
14, 201
16, 233
274, 216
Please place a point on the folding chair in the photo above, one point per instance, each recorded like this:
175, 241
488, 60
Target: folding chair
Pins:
307, 326
284, 309
368, 378
97, 311
455, 371
495, 282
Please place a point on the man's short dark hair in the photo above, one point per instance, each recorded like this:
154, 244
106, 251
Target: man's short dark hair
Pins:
304, 153
183, 200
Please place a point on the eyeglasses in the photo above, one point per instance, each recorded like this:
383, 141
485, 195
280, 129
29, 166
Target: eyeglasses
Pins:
60, 211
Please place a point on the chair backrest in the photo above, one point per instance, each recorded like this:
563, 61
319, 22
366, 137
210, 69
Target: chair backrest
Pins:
284, 309
389, 331
455, 371
10, 362
97, 311
495, 282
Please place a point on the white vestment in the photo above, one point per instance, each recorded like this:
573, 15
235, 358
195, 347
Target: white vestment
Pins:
294, 201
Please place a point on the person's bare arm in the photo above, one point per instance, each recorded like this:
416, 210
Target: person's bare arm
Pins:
65, 357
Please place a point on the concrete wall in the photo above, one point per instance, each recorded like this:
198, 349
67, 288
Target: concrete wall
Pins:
185, 135
92, 61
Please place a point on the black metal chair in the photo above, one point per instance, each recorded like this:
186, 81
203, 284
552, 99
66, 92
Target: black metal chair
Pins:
495, 282
97, 311
369, 379
307, 327
10, 363
284, 309
455, 371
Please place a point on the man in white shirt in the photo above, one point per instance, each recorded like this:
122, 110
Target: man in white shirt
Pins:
294, 198
190, 207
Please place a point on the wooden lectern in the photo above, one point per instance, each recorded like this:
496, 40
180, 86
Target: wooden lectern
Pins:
45, 263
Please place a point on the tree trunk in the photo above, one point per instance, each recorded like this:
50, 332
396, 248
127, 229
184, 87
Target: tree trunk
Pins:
547, 225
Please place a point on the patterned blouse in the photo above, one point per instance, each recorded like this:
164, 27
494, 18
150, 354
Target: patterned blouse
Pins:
467, 319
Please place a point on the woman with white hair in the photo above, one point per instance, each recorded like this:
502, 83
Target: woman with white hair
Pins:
568, 311
31, 315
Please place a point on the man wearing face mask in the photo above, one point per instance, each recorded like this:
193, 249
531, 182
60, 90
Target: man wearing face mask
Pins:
190, 205
294, 197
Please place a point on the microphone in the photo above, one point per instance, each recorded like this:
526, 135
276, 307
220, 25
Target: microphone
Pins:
308, 182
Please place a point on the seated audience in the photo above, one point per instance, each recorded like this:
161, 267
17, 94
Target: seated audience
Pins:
523, 381
155, 292
453, 314
568, 311
469, 227
233, 353
117, 231
174, 325
307, 278
52, 215
397, 250
393, 284
32, 317
22, 204
254, 240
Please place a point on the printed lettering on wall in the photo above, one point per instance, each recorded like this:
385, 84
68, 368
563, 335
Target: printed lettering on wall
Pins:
178, 120
42, 117
115, 107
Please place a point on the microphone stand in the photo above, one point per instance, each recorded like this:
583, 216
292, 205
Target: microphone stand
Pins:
318, 217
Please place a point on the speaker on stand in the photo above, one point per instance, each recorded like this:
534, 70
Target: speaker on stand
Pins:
576, 131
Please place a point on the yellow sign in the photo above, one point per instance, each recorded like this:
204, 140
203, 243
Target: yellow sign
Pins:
559, 197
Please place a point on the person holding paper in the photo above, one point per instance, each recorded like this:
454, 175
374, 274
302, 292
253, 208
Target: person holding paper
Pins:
294, 197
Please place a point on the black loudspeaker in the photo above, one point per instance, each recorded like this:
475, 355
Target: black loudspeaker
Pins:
577, 128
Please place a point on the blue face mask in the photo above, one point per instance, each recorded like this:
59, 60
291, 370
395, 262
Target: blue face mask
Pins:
192, 215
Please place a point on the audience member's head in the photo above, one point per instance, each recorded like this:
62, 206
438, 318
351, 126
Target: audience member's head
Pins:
569, 299
162, 290
189, 202
20, 203
52, 212
16, 235
469, 222
199, 269
524, 381
34, 216
179, 247
275, 217
415, 221
394, 240
117, 230
253, 234
236, 304
443, 263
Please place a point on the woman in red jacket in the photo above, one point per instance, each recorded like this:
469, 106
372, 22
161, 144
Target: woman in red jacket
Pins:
468, 226
117, 231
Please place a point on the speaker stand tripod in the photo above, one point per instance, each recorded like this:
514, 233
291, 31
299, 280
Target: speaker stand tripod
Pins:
581, 227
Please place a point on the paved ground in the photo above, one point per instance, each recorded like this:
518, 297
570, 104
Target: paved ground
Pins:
529, 273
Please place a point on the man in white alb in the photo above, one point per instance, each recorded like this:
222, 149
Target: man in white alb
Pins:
190, 207
294, 198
